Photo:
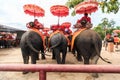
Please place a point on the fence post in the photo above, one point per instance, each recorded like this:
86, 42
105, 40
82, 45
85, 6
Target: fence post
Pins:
42, 75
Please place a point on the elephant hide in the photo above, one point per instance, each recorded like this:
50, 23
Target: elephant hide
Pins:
58, 43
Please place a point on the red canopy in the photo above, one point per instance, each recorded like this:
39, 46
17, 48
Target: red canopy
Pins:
116, 31
66, 24
33, 10
86, 7
59, 10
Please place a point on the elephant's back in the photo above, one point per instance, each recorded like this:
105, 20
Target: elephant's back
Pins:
88, 37
23, 38
88, 34
30, 36
58, 38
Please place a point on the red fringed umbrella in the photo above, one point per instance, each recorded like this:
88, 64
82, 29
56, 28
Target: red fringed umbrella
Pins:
116, 31
34, 10
86, 7
66, 24
59, 10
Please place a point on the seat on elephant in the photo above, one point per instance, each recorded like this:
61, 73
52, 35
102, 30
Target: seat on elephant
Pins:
75, 34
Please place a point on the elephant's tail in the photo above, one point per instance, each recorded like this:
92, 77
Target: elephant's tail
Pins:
30, 45
58, 42
96, 48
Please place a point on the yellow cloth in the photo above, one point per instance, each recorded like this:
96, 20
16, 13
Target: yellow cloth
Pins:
40, 33
75, 34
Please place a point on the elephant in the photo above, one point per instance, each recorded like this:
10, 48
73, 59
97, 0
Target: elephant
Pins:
58, 44
88, 46
31, 44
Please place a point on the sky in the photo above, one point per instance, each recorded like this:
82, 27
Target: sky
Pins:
12, 14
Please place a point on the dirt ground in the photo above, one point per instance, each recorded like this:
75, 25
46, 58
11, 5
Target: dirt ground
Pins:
13, 55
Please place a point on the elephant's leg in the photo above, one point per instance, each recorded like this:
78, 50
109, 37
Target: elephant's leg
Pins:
63, 57
86, 60
53, 54
94, 60
37, 57
69, 48
79, 57
42, 53
73, 51
57, 56
25, 60
85, 54
33, 58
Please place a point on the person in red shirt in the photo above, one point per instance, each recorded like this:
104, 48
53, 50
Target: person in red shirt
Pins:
116, 41
85, 17
37, 24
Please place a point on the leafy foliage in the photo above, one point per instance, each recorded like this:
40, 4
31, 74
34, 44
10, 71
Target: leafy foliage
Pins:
100, 31
105, 27
107, 6
72, 3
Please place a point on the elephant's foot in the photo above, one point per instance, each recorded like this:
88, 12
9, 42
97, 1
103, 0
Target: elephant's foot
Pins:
37, 58
63, 63
32, 71
95, 75
53, 57
90, 78
43, 57
25, 72
79, 59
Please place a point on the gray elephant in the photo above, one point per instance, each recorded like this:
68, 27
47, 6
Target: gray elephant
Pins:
88, 46
58, 43
31, 44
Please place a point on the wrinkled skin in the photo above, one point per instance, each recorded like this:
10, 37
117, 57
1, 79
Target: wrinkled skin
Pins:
58, 44
88, 45
31, 43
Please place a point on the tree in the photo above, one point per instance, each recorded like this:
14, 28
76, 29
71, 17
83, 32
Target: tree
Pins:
107, 6
105, 27
72, 3
100, 31
118, 27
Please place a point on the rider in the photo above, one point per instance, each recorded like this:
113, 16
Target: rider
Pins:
37, 24
85, 17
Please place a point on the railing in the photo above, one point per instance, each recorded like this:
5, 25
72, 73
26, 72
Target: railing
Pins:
43, 68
